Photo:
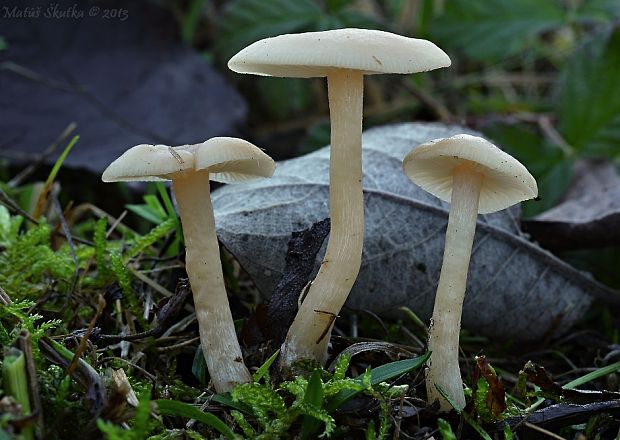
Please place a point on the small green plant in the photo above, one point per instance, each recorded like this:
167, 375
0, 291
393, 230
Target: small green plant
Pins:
143, 425
17, 316
265, 411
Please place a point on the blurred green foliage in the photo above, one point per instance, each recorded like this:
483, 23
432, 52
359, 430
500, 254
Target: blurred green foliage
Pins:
538, 77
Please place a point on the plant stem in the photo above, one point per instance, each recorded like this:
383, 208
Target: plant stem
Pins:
310, 332
15, 381
204, 268
443, 342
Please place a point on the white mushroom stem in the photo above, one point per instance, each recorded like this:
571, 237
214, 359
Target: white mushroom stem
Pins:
310, 332
443, 365
204, 268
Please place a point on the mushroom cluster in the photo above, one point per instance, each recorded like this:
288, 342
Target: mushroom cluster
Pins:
471, 173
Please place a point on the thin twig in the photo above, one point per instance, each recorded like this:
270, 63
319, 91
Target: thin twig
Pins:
5, 299
82, 345
440, 110
23, 175
543, 431
544, 122
69, 238
137, 367
179, 345
153, 284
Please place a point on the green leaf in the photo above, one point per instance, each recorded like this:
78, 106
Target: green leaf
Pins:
481, 403
471, 422
283, 96
494, 29
348, 18
146, 212
445, 430
199, 366
551, 166
175, 408
449, 399
378, 375
508, 435
5, 226
191, 20
264, 369
597, 10
247, 21
589, 97
314, 397
226, 399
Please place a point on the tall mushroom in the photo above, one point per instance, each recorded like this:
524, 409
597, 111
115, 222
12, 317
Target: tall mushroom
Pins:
344, 56
475, 177
190, 167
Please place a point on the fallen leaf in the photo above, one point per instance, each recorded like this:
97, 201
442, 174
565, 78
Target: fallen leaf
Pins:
124, 81
515, 288
589, 214
495, 398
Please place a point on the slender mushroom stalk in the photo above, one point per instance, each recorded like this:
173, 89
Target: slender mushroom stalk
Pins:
310, 332
443, 339
190, 167
204, 269
476, 177
343, 56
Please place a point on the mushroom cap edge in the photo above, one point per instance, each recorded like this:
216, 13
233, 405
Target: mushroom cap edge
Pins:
368, 50
227, 159
506, 182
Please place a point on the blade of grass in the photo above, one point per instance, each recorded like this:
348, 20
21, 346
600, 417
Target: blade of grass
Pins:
262, 371
52, 176
604, 371
313, 396
176, 408
145, 212
378, 375
226, 399
172, 213
471, 422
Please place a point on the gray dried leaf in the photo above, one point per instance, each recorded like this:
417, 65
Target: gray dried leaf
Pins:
515, 288
589, 214
123, 81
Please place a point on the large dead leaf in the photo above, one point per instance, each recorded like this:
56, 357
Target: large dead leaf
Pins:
589, 214
515, 289
125, 81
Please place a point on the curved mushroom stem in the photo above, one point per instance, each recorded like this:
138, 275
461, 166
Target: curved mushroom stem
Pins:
204, 268
443, 365
310, 332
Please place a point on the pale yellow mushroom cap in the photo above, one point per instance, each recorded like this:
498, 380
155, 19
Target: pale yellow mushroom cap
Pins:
227, 160
314, 54
506, 181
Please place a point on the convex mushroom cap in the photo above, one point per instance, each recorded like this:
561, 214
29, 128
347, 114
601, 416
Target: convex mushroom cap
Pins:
227, 159
506, 181
315, 54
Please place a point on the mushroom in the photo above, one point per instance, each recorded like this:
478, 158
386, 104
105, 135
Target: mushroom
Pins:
344, 56
190, 167
475, 177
